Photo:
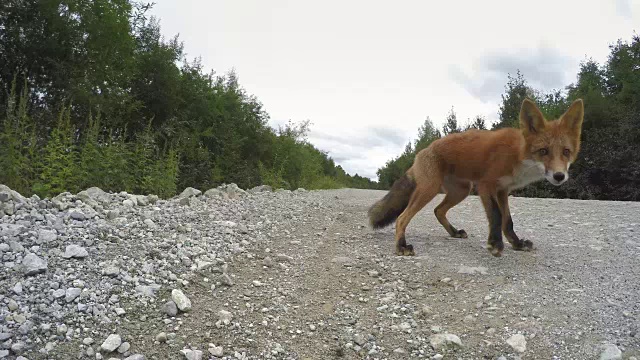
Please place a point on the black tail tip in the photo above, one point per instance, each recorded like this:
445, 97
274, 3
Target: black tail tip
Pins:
381, 222
384, 212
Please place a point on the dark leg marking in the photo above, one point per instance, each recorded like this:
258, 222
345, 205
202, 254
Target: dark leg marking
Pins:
495, 244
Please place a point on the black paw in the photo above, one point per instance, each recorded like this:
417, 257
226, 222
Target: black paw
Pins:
406, 250
524, 245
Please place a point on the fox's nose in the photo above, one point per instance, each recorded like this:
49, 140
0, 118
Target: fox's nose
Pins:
558, 176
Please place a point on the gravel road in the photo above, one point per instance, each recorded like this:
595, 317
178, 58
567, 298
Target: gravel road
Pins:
233, 274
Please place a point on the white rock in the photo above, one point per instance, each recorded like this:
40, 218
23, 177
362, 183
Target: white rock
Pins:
75, 251
112, 214
440, 341
111, 271
216, 351
17, 289
135, 357
190, 192
59, 293
201, 265
161, 337
71, 294
142, 200
32, 265
192, 354
46, 236
611, 352
225, 317
472, 270
95, 194
124, 347
112, 342
182, 301
213, 193
148, 290
150, 224
518, 343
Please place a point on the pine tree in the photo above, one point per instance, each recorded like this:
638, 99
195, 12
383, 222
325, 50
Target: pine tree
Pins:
92, 161
59, 162
451, 124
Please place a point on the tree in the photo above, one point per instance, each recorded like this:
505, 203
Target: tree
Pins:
516, 91
478, 123
451, 124
78, 50
18, 143
427, 133
623, 81
59, 162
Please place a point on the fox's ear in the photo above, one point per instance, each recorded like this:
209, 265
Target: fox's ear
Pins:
531, 119
573, 117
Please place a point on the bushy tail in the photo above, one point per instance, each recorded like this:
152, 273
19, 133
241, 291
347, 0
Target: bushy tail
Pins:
386, 210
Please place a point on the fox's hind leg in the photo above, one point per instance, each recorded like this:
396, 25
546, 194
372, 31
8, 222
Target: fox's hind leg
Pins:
457, 190
507, 224
421, 197
428, 178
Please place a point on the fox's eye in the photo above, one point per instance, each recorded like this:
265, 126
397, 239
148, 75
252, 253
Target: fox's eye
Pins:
543, 151
566, 152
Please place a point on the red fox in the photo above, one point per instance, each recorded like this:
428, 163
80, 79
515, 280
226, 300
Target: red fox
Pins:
496, 161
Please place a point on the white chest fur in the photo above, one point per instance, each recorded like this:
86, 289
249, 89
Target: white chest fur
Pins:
527, 172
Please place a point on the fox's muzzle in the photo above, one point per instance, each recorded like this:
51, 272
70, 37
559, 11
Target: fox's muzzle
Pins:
557, 177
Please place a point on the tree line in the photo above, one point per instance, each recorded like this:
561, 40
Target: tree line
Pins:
608, 166
91, 94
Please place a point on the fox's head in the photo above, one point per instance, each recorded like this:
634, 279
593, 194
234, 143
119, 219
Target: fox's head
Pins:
552, 144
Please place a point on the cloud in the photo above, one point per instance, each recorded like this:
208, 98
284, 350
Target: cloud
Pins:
354, 151
623, 8
370, 137
543, 68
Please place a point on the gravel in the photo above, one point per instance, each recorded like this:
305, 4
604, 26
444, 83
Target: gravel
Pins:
263, 274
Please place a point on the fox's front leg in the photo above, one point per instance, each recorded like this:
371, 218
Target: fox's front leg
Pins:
494, 241
507, 224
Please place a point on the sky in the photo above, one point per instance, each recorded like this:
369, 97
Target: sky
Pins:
367, 73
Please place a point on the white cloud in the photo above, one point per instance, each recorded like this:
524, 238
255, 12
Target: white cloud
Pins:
624, 8
543, 68
354, 150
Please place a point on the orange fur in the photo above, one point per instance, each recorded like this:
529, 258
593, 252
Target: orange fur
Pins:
497, 161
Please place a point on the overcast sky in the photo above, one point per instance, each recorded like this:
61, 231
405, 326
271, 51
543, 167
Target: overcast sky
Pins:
367, 73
